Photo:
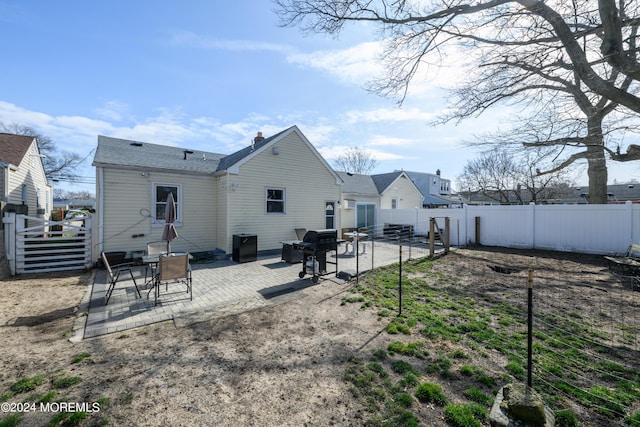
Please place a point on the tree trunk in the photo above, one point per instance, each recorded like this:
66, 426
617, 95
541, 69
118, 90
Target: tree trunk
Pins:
597, 163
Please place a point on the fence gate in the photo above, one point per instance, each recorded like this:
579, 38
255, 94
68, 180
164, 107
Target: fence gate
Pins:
36, 245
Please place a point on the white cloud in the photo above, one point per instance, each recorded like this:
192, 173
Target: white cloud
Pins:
191, 39
388, 141
113, 110
10, 113
355, 65
388, 115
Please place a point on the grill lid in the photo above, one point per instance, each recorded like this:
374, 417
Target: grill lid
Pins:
329, 235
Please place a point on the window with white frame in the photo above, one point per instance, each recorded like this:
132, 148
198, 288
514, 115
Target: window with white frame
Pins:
275, 200
160, 195
394, 203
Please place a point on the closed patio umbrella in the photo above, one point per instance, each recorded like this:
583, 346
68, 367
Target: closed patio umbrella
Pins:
169, 233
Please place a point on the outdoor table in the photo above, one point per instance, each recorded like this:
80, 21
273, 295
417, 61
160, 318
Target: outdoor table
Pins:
355, 248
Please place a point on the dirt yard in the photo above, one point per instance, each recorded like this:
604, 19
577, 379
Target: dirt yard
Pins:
279, 366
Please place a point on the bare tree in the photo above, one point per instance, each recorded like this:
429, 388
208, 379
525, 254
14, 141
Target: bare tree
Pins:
561, 114
417, 30
66, 195
503, 178
356, 160
544, 54
58, 164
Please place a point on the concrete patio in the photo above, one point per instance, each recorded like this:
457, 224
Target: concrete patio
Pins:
220, 288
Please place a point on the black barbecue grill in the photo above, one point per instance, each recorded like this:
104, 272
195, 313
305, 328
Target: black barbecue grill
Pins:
314, 247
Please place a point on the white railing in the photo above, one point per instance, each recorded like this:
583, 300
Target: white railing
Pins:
596, 229
36, 245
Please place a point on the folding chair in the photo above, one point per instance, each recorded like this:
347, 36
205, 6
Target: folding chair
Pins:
155, 248
175, 269
113, 273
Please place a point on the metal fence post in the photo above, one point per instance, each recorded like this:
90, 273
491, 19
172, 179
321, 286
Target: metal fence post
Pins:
530, 327
400, 281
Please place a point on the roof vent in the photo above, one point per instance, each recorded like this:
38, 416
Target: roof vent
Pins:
136, 144
186, 152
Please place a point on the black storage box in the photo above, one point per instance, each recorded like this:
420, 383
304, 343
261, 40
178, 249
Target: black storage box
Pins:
245, 247
290, 254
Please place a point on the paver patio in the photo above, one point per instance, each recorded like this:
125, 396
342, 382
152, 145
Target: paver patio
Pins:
220, 288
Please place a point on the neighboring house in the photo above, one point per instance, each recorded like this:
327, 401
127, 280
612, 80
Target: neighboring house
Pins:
22, 179
397, 191
435, 189
67, 204
362, 195
268, 189
359, 202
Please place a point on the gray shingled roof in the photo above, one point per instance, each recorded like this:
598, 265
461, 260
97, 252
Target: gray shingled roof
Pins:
143, 155
384, 180
14, 147
232, 159
358, 184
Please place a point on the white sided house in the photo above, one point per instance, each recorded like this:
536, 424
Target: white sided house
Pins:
267, 189
22, 177
364, 195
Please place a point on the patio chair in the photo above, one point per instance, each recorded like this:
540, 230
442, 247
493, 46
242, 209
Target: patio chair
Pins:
627, 263
113, 275
300, 232
173, 269
154, 248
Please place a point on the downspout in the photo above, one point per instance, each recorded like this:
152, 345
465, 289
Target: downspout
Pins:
100, 202
5, 182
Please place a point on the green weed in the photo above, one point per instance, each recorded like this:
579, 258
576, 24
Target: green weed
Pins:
431, 393
66, 382
27, 384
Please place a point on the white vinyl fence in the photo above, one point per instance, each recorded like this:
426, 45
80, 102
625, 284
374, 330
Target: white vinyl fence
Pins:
594, 229
36, 245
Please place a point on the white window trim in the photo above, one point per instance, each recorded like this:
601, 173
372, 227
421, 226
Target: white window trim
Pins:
159, 222
284, 200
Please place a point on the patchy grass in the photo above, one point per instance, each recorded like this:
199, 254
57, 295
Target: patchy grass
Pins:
65, 382
80, 357
24, 385
431, 393
477, 343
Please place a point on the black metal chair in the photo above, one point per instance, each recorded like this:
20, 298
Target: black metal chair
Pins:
113, 275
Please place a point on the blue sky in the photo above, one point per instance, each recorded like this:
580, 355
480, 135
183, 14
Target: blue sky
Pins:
209, 75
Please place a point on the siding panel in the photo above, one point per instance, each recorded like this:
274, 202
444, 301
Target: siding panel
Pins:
307, 183
128, 206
